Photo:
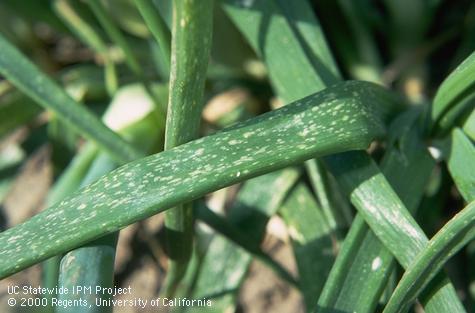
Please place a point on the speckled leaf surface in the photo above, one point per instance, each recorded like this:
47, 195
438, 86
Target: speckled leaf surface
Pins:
148, 186
191, 45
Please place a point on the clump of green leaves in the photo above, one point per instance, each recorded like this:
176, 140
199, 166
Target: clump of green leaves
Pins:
367, 177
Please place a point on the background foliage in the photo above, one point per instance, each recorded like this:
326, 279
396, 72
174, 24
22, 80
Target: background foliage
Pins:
336, 168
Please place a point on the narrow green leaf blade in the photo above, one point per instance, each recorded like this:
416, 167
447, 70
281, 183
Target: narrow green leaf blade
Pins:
157, 26
29, 79
459, 231
393, 224
363, 265
242, 239
225, 264
456, 93
387, 217
73, 17
271, 32
116, 35
461, 164
311, 240
469, 126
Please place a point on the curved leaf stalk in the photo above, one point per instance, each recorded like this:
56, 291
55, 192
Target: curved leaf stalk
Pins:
340, 118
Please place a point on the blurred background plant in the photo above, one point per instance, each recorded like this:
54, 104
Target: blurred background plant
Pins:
267, 244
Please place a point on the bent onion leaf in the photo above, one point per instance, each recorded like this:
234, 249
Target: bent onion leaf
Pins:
345, 117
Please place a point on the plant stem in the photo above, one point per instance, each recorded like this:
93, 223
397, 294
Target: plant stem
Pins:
191, 44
